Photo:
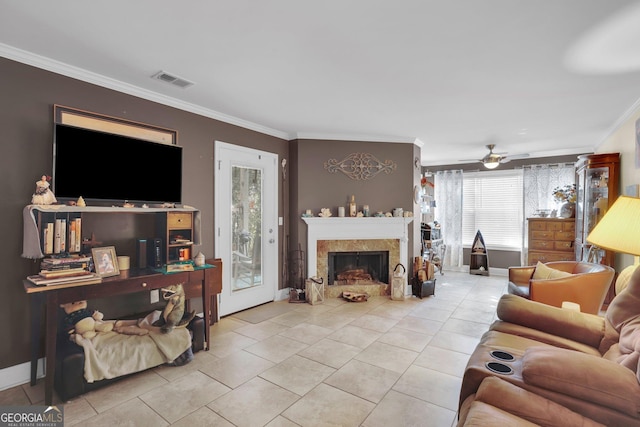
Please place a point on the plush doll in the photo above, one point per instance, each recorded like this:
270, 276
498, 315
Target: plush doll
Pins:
81, 321
43, 194
174, 314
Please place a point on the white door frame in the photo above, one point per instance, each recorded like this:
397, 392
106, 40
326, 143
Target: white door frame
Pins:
226, 156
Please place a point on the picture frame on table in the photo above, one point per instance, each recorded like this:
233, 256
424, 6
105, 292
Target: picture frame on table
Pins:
105, 261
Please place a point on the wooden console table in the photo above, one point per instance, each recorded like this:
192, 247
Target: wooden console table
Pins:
205, 283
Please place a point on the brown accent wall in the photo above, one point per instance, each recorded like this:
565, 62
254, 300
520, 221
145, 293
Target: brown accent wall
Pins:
315, 187
26, 124
26, 132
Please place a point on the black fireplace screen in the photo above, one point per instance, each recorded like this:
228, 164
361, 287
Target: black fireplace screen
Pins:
373, 264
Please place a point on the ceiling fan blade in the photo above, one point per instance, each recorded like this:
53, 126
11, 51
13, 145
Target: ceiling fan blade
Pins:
518, 156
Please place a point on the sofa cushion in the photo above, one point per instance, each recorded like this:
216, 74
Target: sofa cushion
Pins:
480, 414
527, 405
543, 272
501, 334
582, 376
581, 327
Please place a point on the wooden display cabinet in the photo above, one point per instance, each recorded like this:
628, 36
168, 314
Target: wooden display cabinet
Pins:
597, 182
597, 185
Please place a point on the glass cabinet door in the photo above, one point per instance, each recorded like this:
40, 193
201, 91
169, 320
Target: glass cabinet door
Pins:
580, 206
596, 203
596, 197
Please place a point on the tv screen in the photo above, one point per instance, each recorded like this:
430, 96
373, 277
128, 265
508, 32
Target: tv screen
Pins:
108, 167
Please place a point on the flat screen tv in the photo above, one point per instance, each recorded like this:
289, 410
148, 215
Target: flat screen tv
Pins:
106, 167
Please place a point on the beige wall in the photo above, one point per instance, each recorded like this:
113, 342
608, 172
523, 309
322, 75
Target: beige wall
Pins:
623, 140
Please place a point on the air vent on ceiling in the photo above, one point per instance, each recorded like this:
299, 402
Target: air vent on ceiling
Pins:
174, 80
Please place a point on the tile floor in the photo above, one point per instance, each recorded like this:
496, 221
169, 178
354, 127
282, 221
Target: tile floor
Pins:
376, 363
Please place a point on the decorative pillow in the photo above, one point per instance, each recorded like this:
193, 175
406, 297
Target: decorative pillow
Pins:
543, 271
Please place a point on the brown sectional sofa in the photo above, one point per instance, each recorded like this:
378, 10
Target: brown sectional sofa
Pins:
583, 362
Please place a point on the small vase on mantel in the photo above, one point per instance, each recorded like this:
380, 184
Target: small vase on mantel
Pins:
352, 207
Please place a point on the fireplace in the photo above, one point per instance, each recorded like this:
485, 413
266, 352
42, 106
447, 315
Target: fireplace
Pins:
371, 234
345, 268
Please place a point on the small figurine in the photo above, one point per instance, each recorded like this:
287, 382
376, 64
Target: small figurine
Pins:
325, 213
81, 202
43, 194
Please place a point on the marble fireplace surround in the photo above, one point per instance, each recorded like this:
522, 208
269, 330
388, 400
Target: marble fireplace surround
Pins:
347, 234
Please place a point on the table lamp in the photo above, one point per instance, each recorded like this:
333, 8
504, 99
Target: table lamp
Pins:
619, 231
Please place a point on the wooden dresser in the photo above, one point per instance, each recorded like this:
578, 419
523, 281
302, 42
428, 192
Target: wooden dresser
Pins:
551, 239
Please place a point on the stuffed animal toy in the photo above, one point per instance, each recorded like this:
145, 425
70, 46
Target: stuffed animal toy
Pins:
174, 314
129, 327
81, 321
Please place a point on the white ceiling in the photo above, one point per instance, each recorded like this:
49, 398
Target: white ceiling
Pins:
541, 77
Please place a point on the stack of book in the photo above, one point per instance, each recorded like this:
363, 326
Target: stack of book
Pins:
62, 236
57, 271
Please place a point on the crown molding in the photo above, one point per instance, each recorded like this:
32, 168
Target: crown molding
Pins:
67, 70
363, 138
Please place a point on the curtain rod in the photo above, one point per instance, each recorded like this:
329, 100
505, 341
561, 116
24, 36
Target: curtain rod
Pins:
551, 165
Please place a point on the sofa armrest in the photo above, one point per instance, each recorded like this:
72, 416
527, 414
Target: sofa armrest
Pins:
581, 327
582, 376
521, 275
525, 404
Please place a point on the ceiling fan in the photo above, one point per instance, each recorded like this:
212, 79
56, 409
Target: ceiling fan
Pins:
492, 160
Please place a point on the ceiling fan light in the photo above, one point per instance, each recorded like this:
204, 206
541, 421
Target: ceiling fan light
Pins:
491, 164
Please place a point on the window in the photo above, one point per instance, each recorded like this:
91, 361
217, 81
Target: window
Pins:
492, 203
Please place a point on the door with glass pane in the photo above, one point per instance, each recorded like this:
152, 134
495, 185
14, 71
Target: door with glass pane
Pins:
246, 226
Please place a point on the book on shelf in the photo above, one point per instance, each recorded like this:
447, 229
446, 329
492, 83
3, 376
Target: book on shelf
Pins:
78, 241
85, 279
65, 266
72, 236
69, 272
56, 236
63, 235
48, 238
187, 266
66, 260
181, 242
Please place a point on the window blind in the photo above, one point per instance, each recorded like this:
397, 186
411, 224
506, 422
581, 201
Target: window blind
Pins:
492, 203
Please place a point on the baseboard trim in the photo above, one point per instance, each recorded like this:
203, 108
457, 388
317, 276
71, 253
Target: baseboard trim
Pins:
282, 294
19, 374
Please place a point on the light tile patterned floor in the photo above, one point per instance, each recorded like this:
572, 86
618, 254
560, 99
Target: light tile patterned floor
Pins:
377, 363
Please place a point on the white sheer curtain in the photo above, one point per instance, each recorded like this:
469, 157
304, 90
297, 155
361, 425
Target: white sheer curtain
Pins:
448, 212
539, 182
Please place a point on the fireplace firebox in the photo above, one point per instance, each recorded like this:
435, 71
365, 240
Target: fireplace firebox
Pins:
354, 266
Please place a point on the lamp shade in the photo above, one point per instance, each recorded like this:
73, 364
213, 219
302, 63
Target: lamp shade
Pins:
619, 229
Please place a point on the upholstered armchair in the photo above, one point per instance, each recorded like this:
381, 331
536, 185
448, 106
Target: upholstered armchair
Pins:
553, 283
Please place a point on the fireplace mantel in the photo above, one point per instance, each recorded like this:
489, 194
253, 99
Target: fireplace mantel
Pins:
359, 228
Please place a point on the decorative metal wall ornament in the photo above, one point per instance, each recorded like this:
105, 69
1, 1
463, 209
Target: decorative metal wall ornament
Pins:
360, 166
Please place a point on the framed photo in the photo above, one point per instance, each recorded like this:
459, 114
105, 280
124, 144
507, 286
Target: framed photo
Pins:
105, 261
